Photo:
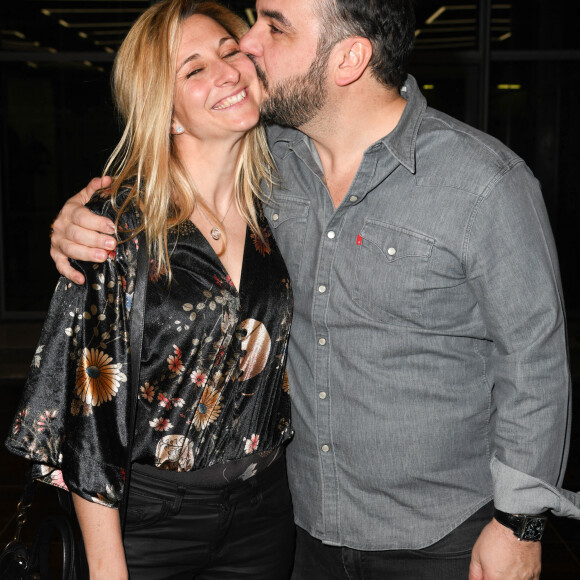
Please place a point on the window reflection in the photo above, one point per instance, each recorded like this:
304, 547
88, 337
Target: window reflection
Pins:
57, 123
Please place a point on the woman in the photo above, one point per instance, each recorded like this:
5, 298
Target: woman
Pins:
208, 496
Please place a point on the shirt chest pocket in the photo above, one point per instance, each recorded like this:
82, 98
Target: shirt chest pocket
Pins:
288, 217
390, 270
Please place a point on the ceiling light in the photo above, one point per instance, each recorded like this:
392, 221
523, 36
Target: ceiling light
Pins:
16, 33
126, 25
435, 15
250, 16
442, 9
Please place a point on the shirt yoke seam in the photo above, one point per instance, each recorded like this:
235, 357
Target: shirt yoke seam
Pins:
478, 205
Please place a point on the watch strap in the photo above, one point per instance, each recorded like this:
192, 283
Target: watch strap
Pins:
524, 526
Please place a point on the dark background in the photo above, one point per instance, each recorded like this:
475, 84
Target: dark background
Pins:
509, 68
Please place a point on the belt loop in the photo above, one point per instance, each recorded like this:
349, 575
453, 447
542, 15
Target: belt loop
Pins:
178, 499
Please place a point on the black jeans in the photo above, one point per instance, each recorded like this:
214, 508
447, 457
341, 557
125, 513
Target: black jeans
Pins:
447, 559
245, 530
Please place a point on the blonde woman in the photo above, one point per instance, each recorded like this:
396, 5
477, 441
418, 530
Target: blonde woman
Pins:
208, 496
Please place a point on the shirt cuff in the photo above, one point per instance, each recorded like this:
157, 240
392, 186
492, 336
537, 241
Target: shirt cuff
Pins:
516, 492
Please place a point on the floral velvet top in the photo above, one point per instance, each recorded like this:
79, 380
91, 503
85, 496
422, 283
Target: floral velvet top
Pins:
212, 385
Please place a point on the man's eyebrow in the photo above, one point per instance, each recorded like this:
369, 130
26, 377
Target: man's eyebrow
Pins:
197, 55
276, 15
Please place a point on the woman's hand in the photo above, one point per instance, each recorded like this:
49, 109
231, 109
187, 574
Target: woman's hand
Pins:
80, 234
101, 530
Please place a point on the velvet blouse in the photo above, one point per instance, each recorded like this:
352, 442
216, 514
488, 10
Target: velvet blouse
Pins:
212, 384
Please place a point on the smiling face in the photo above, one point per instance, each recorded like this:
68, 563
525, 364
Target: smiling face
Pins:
217, 92
283, 43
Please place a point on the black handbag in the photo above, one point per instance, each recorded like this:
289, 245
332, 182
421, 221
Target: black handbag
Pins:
22, 561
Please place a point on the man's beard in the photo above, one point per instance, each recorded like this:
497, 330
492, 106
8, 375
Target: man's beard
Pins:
295, 101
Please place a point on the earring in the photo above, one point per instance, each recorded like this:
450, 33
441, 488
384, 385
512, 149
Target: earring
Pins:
179, 129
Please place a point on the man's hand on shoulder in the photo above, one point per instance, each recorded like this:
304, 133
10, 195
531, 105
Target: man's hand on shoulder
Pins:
499, 555
80, 234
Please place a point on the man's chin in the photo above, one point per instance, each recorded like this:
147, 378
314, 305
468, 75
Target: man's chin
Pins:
267, 115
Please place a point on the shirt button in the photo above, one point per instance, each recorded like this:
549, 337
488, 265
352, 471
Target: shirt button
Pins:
275, 217
353, 198
322, 395
325, 448
331, 235
322, 288
322, 341
391, 251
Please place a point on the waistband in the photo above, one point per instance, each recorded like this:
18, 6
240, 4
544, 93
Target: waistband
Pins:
220, 474
143, 480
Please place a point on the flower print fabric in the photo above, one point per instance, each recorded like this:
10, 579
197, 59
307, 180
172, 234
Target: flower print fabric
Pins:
212, 382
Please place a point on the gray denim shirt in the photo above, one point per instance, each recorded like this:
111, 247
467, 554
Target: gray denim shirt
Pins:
428, 359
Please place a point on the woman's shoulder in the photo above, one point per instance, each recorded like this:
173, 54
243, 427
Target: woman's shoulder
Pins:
127, 215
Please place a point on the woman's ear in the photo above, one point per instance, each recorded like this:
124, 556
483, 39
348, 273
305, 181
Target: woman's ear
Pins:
354, 54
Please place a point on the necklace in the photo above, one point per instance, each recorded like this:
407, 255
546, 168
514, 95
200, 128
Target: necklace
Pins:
215, 232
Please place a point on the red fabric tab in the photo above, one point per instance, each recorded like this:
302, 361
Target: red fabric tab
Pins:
359, 240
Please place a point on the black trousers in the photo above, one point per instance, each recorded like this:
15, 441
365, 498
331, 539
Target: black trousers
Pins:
447, 559
245, 530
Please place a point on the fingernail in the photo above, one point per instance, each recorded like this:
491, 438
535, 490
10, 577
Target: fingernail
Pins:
100, 256
111, 228
78, 280
110, 244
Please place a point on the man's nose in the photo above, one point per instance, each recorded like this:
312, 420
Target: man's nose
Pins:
250, 44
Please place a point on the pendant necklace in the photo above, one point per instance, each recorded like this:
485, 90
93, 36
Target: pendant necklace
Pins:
215, 232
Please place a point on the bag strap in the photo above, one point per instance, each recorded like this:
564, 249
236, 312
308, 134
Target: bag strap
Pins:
55, 526
135, 342
21, 515
27, 562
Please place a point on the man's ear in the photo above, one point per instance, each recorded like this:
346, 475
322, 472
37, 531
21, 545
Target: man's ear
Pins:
352, 55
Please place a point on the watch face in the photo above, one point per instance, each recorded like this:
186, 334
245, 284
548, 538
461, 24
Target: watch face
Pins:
533, 529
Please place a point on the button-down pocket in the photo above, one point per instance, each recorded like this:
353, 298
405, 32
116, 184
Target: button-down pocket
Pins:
390, 271
288, 218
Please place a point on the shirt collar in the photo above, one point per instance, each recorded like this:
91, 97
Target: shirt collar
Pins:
402, 140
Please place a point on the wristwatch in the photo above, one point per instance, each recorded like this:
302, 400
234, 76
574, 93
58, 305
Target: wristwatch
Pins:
525, 527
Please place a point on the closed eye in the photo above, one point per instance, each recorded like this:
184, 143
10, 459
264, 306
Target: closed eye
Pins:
193, 72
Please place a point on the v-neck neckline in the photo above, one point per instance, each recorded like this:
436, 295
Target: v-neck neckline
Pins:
218, 260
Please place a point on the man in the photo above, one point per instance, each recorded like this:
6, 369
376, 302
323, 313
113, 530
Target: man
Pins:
428, 363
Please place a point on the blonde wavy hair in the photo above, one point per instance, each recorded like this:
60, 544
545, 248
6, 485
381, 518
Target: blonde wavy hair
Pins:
145, 158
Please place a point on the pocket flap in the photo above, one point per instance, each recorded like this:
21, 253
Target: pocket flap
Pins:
283, 209
396, 242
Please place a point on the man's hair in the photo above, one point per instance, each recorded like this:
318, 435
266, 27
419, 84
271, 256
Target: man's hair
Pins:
388, 24
143, 89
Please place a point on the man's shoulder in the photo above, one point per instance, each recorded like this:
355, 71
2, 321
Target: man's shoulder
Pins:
438, 126
451, 150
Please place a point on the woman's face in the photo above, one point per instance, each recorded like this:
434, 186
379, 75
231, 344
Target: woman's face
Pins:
217, 92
